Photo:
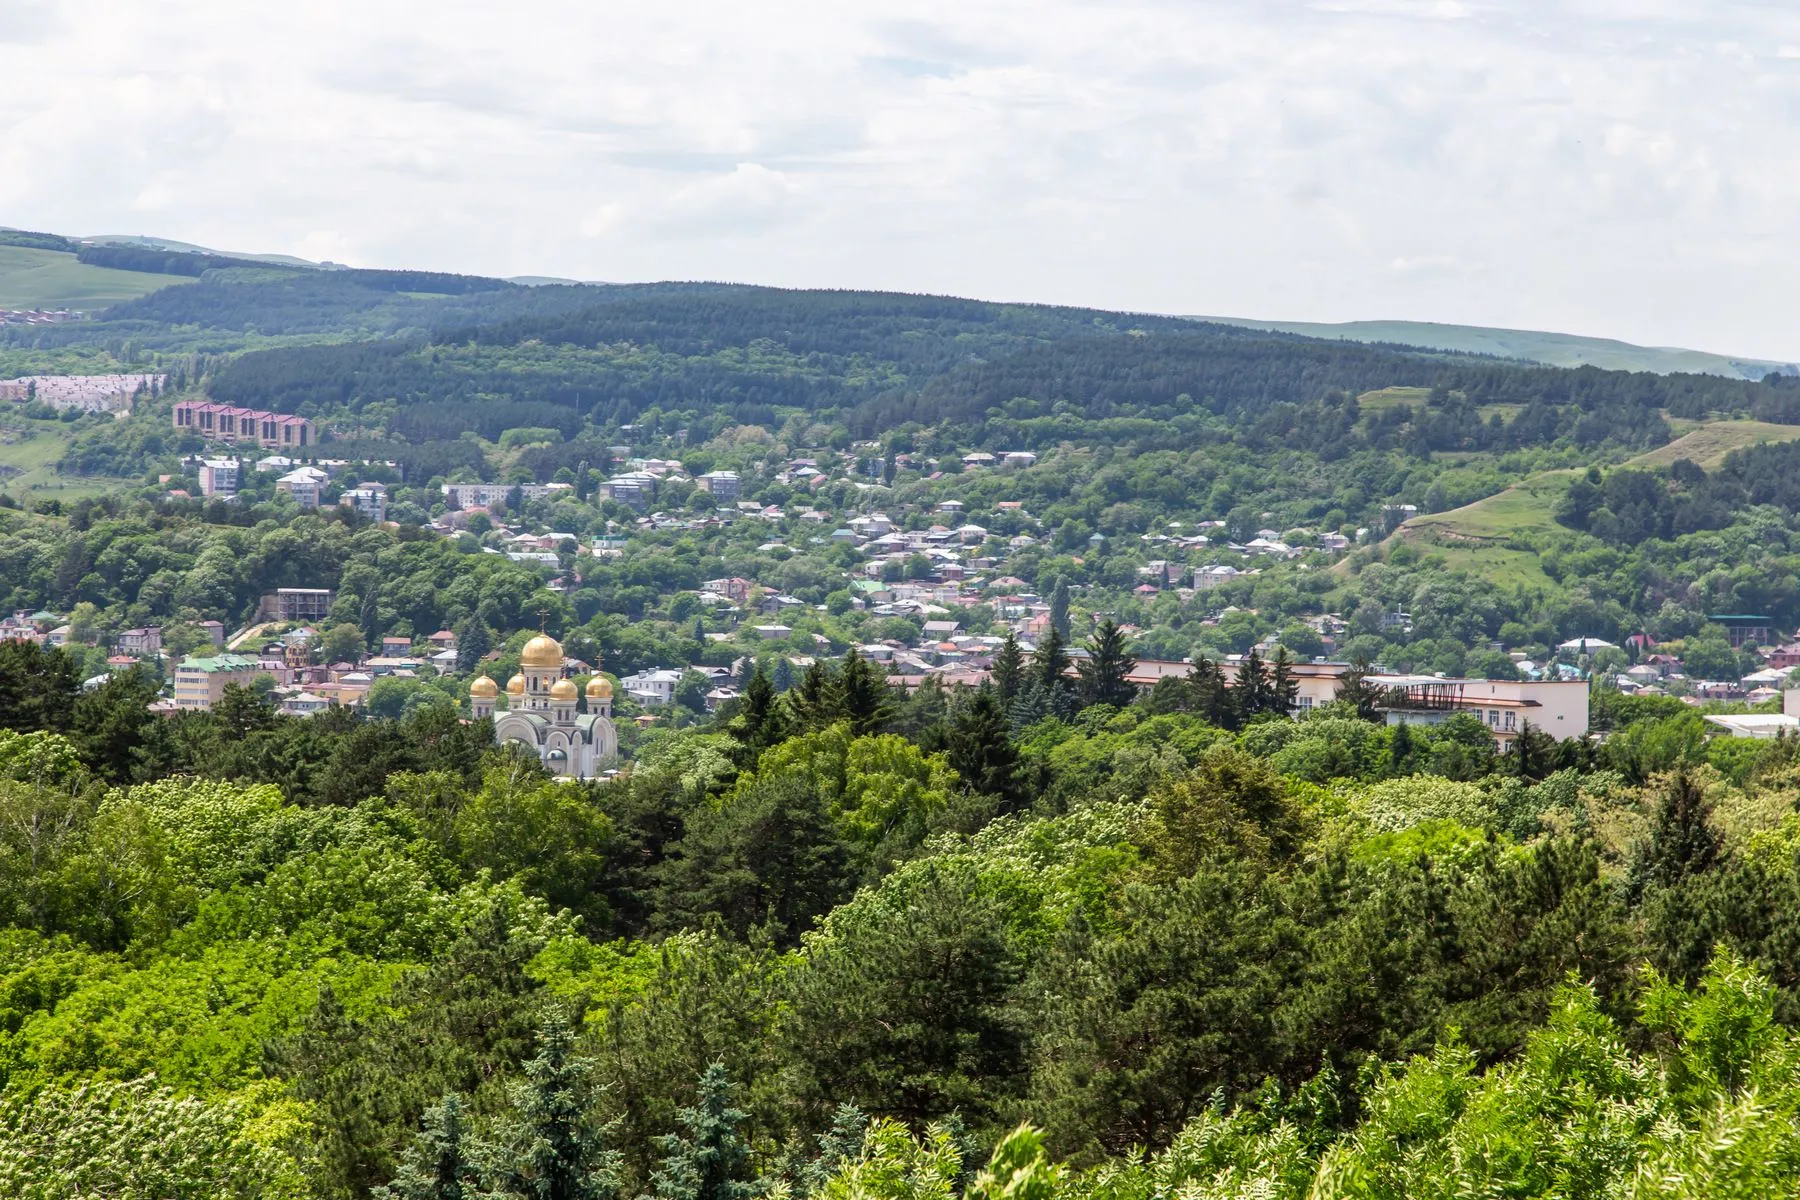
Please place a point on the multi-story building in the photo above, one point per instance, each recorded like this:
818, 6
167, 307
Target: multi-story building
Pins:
219, 477
636, 488
304, 484
140, 643
369, 499
200, 682
297, 604
486, 495
228, 423
725, 486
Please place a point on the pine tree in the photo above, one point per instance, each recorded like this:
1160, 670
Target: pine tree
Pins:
783, 676
1284, 689
1009, 670
473, 641
1355, 688
863, 695
981, 752
1050, 663
758, 724
1209, 696
707, 1161
816, 701
1105, 672
437, 1165
1255, 692
842, 1143
1682, 842
1400, 750
1030, 706
1059, 608
549, 1147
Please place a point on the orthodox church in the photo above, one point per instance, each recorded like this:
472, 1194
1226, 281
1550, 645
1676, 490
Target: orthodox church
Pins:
540, 713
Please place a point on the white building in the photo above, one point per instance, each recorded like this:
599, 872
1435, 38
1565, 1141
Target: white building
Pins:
219, 477
369, 499
652, 689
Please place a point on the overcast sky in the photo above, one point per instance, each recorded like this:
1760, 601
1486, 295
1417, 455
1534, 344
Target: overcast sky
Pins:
1628, 168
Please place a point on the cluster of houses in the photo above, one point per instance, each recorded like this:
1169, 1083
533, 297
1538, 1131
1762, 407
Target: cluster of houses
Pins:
83, 393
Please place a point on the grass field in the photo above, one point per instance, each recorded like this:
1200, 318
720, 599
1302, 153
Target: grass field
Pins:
48, 279
28, 461
1556, 349
1708, 445
1473, 539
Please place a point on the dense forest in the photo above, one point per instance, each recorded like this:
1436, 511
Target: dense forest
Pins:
848, 942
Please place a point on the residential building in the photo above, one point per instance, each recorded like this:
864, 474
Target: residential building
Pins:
725, 486
219, 477
636, 488
1557, 708
140, 643
369, 499
304, 484
297, 604
200, 682
652, 689
486, 495
227, 423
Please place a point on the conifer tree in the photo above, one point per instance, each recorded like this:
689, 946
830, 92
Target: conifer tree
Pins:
783, 676
707, 1160
1059, 608
549, 1147
473, 641
1050, 662
981, 751
1682, 841
1255, 692
863, 695
437, 1165
1284, 689
1009, 670
1106, 670
758, 724
816, 700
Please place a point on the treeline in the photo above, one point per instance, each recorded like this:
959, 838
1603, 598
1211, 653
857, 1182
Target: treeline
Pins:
28, 240
153, 261
1630, 506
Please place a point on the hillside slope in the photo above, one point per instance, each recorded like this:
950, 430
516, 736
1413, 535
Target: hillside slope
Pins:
1552, 349
50, 279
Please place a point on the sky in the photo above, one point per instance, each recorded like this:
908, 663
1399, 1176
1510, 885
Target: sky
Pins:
1621, 168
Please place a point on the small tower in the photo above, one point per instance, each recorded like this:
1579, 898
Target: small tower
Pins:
562, 702
482, 692
541, 663
599, 697
515, 694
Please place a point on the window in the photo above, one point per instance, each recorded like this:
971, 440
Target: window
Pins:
1493, 717
1509, 722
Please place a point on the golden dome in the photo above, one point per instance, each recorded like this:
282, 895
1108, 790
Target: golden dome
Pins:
541, 651
563, 691
483, 688
515, 686
599, 688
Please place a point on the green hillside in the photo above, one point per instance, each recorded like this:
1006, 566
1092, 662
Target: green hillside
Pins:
1552, 349
49, 279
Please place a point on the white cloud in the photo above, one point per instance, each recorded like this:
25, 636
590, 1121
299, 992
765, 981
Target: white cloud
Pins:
1622, 167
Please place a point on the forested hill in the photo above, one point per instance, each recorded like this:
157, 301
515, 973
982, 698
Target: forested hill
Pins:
430, 345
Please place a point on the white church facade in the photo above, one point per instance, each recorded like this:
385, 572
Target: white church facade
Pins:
540, 713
